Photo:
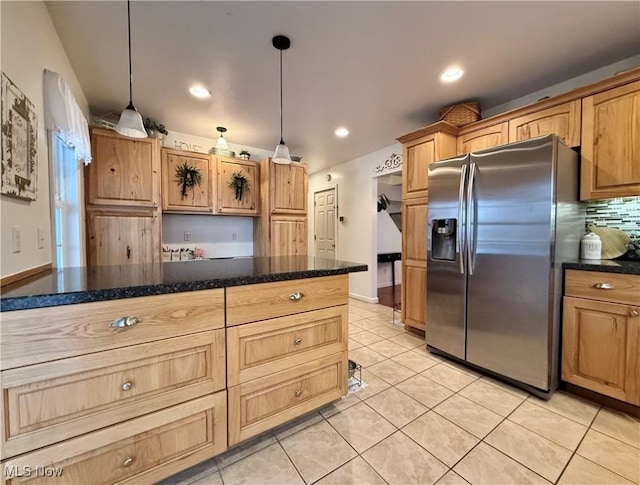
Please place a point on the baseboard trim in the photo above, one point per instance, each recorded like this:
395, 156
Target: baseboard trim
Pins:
363, 298
12, 278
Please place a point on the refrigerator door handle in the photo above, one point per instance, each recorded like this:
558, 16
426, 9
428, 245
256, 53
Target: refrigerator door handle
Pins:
470, 240
461, 238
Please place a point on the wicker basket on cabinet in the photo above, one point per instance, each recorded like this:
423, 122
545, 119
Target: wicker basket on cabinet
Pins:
461, 114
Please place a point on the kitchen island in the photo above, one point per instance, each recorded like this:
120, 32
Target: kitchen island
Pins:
133, 373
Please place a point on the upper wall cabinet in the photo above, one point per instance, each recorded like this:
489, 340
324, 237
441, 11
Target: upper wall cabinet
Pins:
288, 187
231, 199
489, 137
124, 172
610, 154
180, 191
418, 151
562, 120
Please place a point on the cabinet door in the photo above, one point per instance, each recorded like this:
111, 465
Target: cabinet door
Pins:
610, 154
562, 120
416, 159
600, 347
288, 186
288, 236
176, 165
490, 137
414, 263
124, 171
115, 238
228, 197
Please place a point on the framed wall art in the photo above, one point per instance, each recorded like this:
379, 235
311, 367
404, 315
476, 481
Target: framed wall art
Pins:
19, 143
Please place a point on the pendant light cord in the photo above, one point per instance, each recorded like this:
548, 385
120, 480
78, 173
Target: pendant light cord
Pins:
281, 140
130, 74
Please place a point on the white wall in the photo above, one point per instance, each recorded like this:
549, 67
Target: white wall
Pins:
389, 236
192, 143
357, 199
30, 44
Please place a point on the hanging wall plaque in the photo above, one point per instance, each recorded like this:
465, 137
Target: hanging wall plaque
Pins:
19, 143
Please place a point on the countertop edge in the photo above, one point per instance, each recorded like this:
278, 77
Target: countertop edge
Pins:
29, 302
620, 267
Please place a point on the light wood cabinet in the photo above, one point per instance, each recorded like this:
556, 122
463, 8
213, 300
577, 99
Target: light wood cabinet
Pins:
562, 120
124, 171
610, 154
489, 137
601, 333
122, 198
197, 199
414, 263
281, 229
228, 201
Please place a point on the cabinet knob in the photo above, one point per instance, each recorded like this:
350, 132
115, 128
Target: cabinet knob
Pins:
126, 386
634, 313
297, 341
298, 393
128, 461
296, 296
603, 286
125, 322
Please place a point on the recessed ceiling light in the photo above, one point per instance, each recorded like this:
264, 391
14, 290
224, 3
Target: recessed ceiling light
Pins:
342, 132
451, 74
199, 92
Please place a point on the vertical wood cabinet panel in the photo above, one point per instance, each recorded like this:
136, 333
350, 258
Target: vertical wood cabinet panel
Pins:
489, 137
562, 120
610, 154
197, 199
288, 188
414, 262
288, 236
228, 203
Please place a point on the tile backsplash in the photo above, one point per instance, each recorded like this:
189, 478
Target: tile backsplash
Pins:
621, 213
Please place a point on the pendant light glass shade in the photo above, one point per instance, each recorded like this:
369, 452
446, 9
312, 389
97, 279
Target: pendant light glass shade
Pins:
281, 153
222, 143
130, 123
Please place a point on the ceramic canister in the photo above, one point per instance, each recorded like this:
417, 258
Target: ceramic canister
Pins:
590, 246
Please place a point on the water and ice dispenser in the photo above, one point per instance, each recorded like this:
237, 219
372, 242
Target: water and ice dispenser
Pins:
443, 239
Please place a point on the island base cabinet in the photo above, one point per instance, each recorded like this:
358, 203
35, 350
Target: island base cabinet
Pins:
261, 404
601, 347
143, 450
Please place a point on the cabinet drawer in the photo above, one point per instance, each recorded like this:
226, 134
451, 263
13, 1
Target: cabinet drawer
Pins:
261, 404
143, 450
262, 301
262, 348
70, 330
596, 285
46, 403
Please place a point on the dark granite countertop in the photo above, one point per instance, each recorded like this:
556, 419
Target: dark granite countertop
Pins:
605, 265
82, 285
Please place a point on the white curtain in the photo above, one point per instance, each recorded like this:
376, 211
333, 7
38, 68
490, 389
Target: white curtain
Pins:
63, 115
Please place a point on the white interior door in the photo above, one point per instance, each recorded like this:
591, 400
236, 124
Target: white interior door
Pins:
324, 204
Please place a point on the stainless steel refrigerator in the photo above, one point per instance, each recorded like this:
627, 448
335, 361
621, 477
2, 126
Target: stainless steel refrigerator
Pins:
500, 223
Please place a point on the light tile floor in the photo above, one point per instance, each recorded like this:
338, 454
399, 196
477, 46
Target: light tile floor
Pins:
423, 420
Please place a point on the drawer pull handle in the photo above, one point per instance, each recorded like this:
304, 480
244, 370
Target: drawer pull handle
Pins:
634, 313
126, 386
603, 286
125, 322
297, 341
298, 393
296, 296
128, 461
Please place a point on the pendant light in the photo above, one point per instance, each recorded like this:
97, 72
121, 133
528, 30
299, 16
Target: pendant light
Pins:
222, 143
281, 154
130, 123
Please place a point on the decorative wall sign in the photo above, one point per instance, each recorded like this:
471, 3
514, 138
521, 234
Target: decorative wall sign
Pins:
393, 162
19, 143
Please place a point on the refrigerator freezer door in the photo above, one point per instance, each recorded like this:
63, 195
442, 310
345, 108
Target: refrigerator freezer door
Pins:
446, 277
509, 300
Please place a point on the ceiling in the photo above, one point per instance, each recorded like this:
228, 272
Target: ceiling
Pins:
372, 67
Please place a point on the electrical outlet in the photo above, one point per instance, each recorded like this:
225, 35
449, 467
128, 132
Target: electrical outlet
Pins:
234, 236
187, 235
15, 239
40, 238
